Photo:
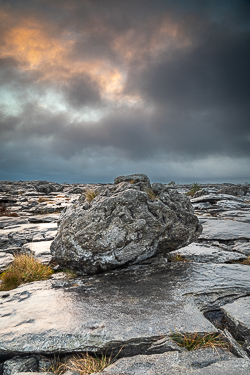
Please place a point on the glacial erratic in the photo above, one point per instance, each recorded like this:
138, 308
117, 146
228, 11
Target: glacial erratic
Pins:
124, 224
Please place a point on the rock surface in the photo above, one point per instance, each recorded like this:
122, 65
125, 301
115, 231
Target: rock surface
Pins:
128, 308
138, 306
238, 317
205, 253
174, 364
124, 225
218, 229
20, 364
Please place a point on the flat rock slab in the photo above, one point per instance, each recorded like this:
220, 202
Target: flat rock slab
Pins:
6, 221
127, 308
203, 254
175, 364
41, 250
238, 317
50, 218
18, 235
243, 247
237, 215
213, 198
5, 260
218, 229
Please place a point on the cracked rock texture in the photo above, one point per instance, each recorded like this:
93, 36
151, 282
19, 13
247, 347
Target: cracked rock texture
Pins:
136, 307
202, 362
124, 224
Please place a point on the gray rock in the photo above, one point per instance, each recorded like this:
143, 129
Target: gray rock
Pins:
125, 309
47, 188
8, 221
238, 317
71, 372
237, 215
214, 198
20, 364
218, 229
40, 250
205, 253
122, 225
201, 362
231, 205
5, 260
139, 178
52, 218
242, 247
130, 308
235, 348
18, 235
237, 190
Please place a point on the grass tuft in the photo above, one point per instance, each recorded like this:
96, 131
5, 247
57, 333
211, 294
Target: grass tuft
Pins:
43, 199
243, 261
5, 212
24, 269
83, 363
178, 258
246, 261
56, 365
194, 188
151, 194
90, 195
86, 364
193, 341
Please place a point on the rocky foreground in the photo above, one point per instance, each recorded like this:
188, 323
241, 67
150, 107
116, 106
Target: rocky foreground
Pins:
202, 288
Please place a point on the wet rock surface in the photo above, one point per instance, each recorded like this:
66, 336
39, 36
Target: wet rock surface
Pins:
136, 307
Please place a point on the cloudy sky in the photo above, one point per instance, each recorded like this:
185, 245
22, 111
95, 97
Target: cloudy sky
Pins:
92, 89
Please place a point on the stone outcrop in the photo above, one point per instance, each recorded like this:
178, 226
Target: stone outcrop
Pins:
20, 364
137, 307
199, 362
125, 224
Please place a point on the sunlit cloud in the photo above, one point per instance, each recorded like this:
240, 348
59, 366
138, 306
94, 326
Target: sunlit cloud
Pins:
129, 86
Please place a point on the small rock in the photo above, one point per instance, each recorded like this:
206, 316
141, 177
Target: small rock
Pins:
20, 364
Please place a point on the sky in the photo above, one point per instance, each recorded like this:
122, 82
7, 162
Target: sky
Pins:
94, 89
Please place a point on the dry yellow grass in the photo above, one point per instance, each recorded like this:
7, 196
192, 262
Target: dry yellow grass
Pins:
24, 269
42, 199
83, 363
90, 195
193, 341
86, 364
178, 258
151, 194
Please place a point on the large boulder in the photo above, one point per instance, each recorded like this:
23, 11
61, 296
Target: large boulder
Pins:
124, 224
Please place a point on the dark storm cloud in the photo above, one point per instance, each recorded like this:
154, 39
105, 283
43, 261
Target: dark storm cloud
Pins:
169, 80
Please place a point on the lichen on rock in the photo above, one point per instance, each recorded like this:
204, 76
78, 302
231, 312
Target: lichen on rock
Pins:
122, 225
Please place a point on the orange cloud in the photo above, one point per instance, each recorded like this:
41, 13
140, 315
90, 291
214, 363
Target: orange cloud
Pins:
35, 46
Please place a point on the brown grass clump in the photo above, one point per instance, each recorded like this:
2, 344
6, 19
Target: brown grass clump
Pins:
24, 269
86, 364
178, 258
193, 341
243, 261
5, 212
42, 199
83, 363
151, 194
90, 195
246, 261
56, 365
